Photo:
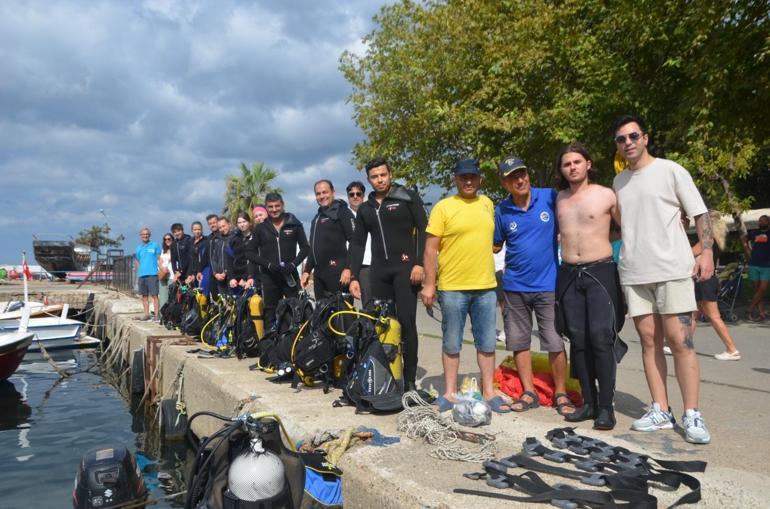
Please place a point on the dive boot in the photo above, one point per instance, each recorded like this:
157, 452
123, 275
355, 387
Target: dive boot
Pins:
605, 419
584, 413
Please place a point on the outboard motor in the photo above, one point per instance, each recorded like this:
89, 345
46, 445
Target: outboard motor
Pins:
108, 477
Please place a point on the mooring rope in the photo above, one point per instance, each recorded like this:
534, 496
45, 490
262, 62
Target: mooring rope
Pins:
419, 420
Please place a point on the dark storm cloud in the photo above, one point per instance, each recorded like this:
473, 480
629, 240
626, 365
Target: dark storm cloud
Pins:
141, 108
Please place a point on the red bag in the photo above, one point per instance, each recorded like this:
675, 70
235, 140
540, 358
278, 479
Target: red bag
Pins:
510, 383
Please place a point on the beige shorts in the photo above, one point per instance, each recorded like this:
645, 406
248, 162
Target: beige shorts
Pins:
664, 298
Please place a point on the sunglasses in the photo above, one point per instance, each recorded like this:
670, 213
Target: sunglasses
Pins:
354, 194
634, 137
168, 239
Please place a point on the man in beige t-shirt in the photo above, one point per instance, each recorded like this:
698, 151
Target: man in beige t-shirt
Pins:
657, 270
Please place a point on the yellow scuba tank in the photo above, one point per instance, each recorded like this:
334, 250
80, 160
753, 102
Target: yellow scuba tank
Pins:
256, 309
338, 368
389, 333
200, 297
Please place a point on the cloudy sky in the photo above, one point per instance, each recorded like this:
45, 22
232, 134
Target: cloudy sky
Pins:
140, 109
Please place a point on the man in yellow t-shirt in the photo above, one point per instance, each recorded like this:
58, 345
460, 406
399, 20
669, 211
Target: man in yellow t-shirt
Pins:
461, 229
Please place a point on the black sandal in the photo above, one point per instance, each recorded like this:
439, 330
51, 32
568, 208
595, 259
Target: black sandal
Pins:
560, 406
524, 404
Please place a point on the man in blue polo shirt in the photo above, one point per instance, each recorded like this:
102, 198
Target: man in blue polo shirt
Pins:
146, 256
526, 223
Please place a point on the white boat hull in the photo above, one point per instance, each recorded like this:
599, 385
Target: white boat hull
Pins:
47, 330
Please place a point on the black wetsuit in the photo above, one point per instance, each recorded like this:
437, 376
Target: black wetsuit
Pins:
330, 232
180, 256
243, 266
199, 257
220, 258
593, 312
397, 226
278, 255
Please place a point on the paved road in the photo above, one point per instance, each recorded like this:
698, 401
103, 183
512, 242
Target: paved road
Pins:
735, 395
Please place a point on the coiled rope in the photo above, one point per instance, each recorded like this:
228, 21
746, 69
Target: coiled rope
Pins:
419, 420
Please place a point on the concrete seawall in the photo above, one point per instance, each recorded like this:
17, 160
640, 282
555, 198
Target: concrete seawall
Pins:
405, 475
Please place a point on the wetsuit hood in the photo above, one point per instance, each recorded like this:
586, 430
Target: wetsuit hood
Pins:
397, 192
333, 210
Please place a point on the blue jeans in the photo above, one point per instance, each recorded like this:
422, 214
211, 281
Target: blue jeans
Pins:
481, 306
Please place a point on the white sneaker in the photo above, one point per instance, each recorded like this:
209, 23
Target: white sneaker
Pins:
667, 351
726, 356
695, 430
501, 336
654, 419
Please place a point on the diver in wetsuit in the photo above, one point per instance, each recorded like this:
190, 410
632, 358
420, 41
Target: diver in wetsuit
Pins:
330, 232
396, 219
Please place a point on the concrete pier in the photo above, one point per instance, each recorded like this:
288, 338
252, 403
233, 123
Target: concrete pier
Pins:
735, 401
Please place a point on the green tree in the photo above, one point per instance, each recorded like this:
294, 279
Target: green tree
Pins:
443, 80
249, 188
97, 237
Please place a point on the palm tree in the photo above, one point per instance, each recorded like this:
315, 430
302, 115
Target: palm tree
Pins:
248, 189
97, 236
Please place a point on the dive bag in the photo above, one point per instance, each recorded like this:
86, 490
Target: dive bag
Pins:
275, 348
374, 381
292, 481
248, 324
193, 319
313, 352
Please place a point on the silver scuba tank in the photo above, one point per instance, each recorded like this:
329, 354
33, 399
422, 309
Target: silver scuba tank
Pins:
256, 474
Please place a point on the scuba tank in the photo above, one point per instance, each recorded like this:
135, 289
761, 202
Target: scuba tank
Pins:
256, 474
248, 463
202, 300
257, 311
389, 333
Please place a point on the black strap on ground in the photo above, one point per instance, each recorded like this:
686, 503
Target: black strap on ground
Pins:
569, 436
559, 495
673, 474
628, 475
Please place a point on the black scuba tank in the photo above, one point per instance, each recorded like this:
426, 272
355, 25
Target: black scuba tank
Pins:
108, 477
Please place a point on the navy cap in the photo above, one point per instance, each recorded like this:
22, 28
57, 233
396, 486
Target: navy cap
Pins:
509, 164
467, 167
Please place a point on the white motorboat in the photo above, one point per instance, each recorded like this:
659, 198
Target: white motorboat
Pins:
52, 331
13, 309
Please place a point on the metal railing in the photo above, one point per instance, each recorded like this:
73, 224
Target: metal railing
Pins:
123, 273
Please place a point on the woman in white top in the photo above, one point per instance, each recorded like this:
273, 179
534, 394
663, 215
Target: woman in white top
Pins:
165, 272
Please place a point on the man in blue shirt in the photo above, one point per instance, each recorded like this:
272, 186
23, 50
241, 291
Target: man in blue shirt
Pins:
526, 223
146, 256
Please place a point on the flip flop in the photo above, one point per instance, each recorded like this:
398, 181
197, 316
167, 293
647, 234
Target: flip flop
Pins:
560, 406
526, 405
443, 404
497, 403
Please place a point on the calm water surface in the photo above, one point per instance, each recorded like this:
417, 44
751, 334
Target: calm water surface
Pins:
48, 422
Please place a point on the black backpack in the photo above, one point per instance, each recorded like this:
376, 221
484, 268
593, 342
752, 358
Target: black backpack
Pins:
291, 316
192, 320
313, 352
179, 302
245, 333
370, 385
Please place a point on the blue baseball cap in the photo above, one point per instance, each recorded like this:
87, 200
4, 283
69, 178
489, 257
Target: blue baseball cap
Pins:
509, 164
467, 167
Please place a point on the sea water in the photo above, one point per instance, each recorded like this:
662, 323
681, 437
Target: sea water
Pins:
48, 421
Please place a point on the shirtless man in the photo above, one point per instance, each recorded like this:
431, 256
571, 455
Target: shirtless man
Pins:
588, 288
